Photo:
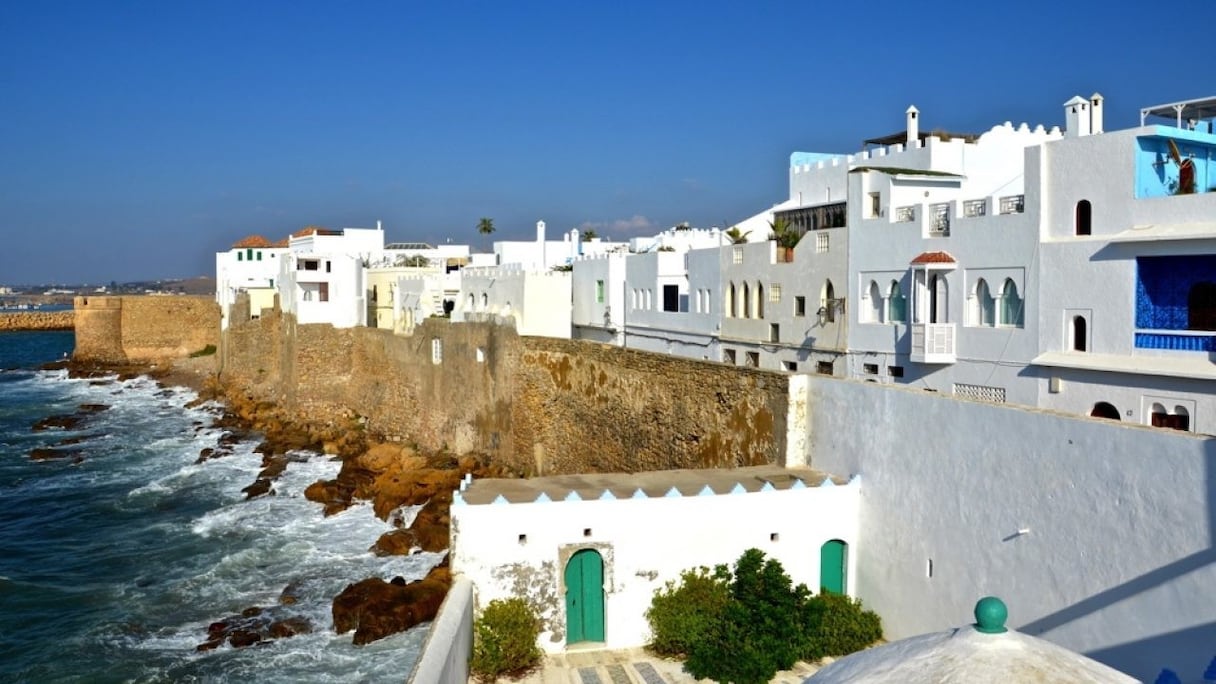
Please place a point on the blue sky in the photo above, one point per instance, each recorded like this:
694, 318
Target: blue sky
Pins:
139, 138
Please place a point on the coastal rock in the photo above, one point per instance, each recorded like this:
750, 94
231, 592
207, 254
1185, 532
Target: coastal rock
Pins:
289, 627
60, 422
290, 594
430, 531
255, 625
376, 609
51, 454
259, 487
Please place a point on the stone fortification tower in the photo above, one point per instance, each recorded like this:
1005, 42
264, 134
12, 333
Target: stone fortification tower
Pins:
99, 330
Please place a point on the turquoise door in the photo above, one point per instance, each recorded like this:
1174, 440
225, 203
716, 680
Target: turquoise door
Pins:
585, 597
833, 561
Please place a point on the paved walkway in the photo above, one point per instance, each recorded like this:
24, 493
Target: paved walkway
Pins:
632, 666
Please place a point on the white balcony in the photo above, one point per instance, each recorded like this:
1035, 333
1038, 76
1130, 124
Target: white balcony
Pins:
933, 342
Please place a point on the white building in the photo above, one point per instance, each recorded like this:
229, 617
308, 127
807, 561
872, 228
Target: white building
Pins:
534, 302
322, 278
250, 266
543, 254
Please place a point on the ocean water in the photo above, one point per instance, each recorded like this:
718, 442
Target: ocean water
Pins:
114, 562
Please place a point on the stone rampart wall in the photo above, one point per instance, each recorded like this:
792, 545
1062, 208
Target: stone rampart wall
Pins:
143, 329
537, 405
38, 320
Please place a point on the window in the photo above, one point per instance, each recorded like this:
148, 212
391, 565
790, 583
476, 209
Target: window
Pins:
993, 395
875, 204
827, 302
599, 292
728, 356
328, 266
1178, 419
481, 355
799, 305
869, 368
671, 298
248, 254
730, 301
436, 351
240, 256
897, 309
791, 366
747, 301
984, 311
774, 332
308, 265
485, 301
774, 293
259, 253
1011, 305
821, 243
324, 293
823, 367
1106, 410
737, 255
1083, 218
873, 312
753, 360
895, 371
472, 301
1079, 339
1201, 307
759, 300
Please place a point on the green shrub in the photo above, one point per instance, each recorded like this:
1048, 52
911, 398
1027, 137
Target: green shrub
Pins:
504, 639
683, 614
762, 629
838, 625
205, 351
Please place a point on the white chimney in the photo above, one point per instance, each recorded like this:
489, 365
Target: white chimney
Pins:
1076, 117
1095, 113
913, 126
540, 231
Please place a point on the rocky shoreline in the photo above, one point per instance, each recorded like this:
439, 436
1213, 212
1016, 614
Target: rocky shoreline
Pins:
388, 475
38, 320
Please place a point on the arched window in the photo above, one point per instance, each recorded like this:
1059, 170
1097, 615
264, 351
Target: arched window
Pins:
1079, 339
759, 300
1103, 409
1179, 419
1011, 305
485, 300
1182, 418
730, 302
984, 311
747, 301
1201, 307
1083, 218
897, 307
472, 301
375, 293
939, 299
827, 298
874, 311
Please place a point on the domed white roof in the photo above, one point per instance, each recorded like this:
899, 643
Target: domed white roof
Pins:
984, 652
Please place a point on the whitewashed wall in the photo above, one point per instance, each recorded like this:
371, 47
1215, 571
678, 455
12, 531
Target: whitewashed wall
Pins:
1117, 558
644, 543
539, 302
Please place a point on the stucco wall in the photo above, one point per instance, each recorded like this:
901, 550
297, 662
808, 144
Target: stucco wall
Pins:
449, 644
681, 532
1117, 558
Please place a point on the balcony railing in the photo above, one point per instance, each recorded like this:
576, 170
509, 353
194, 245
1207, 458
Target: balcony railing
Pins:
1013, 204
940, 227
933, 343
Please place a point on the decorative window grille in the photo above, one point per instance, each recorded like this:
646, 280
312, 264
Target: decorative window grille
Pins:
974, 208
941, 220
1013, 204
774, 292
436, 351
905, 214
737, 256
821, 243
992, 395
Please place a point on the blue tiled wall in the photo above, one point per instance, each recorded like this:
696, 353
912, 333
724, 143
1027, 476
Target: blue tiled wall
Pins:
1162, 287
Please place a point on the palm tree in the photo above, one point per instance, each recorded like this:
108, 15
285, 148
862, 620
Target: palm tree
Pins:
736, 236
589, 235
485, 226
785, 235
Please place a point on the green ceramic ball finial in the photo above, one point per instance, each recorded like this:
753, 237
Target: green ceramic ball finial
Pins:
990, 615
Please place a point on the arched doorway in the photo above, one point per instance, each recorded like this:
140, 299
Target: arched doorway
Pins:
833, 566
585, 597
1082, 222
1078, 333
1104, 410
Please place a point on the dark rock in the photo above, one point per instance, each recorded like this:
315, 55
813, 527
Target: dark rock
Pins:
64, 422
92, 408
209, 645
290, 594
376, 609
241, 638
251, 612
51, 454
289, 627
258, 488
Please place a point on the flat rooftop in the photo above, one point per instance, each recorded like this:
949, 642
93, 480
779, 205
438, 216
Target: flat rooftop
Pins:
653, 484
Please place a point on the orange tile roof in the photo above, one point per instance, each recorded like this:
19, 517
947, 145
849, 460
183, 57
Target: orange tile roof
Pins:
251, 241
934, 258
285, 242
315, 230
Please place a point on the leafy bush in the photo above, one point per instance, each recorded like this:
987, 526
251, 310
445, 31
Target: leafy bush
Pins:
744, 627
839, 626
762, 629
504, 639
683, 614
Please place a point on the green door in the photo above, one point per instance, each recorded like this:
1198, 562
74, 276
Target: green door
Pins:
585, 597
833, 561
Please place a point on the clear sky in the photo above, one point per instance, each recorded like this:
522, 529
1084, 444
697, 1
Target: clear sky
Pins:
138, 138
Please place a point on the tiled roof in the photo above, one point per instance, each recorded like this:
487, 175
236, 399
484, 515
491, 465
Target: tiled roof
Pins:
285, 242
251, 241
934, 258
315, 230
